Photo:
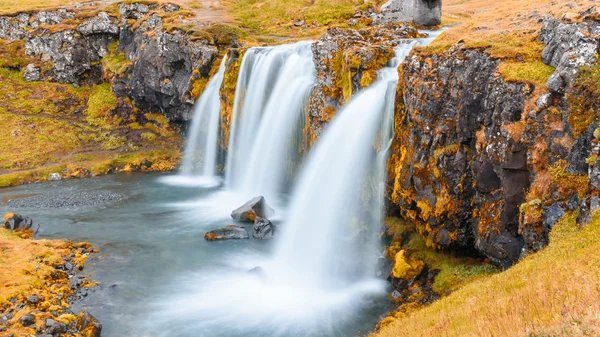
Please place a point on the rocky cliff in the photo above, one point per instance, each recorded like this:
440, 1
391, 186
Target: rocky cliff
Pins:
132, 46
482, 163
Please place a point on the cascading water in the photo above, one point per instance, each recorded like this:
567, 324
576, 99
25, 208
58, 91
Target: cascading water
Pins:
199, 165
320, 277
271, 95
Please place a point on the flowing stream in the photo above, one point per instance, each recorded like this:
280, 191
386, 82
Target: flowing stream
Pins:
158, 275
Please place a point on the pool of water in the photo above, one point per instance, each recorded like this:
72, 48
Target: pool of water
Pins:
159, 277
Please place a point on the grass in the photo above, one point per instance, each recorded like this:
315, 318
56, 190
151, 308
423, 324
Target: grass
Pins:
12, 6
551, 293
47, 125
277, 17
507, 29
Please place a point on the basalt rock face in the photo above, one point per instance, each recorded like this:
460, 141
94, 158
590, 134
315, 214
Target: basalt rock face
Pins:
460, 193
164, 65
72, 53
346, 61
478, 163
419, 12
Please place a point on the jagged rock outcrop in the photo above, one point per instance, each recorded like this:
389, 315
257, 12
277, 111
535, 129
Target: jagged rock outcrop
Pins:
477, 166
419, 12
164, 63
457, 171
346, 61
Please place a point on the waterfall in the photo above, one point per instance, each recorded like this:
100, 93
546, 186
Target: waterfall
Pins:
270, 100
320, 276
329, 239
199, 165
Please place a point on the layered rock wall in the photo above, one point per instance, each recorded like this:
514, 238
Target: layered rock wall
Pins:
477, 165
161, 68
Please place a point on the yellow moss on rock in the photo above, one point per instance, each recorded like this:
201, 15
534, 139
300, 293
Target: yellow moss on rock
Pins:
406, 267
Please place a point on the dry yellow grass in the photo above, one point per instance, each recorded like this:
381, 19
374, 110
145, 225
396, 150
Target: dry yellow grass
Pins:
508, 29
552, 293
12, 6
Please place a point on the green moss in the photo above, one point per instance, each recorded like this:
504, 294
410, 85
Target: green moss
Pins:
584, 99
454, 271
447, 150
534, 72
101, 102
115, 62
148, 136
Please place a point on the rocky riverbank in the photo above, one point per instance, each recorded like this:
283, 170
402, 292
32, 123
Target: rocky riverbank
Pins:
36, 300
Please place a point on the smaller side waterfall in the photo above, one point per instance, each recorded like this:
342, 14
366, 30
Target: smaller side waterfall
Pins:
200, 155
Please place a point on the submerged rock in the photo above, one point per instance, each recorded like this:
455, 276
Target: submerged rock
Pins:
263, 229
230, 232
250, 211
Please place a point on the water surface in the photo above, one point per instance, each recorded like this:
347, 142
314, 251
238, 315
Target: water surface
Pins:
159, 277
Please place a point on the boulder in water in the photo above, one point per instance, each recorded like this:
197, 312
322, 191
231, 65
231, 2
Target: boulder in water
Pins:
263, 229
230, 232
257, 207
17, 223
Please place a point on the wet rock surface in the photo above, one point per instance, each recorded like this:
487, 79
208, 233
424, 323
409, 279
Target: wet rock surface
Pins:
63, 199
263, 229
230, 232
346, 61
15, 222
255, 208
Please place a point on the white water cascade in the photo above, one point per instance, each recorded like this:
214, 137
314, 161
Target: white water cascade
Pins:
321, 275
270, 101
328, 241
199, 164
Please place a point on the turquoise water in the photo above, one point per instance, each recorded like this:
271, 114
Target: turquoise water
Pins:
153, 254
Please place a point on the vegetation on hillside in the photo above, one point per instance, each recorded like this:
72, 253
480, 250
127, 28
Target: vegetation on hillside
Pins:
551, 293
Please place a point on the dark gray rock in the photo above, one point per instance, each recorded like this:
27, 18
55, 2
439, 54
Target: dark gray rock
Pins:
263, 229
32, 73
568, 47
230, 232
100, 24
18, 223
419, 12
252, 210
57, 328
34, 299
27, 320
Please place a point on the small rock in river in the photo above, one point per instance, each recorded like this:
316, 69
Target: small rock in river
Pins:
228, 233
54, 177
